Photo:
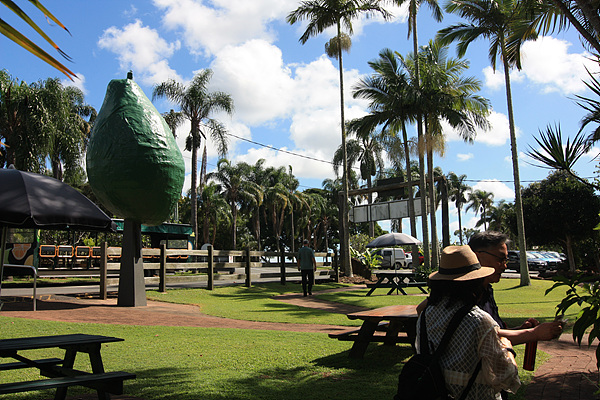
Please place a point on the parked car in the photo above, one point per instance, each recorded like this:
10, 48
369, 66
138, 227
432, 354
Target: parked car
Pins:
393, 258
409, 256
533, 263
551, 262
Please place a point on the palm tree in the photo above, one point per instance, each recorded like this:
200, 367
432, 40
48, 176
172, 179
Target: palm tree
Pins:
213, 209
367, 151
20, 39
174, 119
67, 123
197, 105
458, 191
507, 24
235, 188
392, 104
480, 201
321, 15
412, 28
446, 96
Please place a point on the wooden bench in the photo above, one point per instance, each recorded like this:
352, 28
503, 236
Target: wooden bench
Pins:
111, 382
20, 364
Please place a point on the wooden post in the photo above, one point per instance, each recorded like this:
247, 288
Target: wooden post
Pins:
336, 266
282, 268
211, 269
248, 271
103, 271
132, 288
162, 272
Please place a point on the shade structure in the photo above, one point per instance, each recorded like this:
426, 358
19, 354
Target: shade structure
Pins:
29, 200
393, 239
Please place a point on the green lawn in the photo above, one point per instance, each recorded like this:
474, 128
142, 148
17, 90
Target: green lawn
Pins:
211, 363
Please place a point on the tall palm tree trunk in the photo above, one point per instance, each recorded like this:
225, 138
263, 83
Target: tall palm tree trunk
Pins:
460, 232
410, 197
194, 195
431, 194
525, 280
422, 187
345, 225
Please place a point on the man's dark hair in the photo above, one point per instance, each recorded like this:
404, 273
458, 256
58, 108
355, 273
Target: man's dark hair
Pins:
487, 239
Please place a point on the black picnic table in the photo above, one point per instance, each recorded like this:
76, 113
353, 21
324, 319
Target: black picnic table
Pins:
60, 370
396, 280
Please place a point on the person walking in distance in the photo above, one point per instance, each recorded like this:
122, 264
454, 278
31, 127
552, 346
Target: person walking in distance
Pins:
307, 265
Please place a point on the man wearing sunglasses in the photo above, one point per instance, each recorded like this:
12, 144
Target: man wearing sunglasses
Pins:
490, 248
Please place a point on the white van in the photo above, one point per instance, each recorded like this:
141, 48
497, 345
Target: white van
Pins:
393, 258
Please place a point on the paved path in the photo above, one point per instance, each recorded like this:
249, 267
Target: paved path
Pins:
568, 375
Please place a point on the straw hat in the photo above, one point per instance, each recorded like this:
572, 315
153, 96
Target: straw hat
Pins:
459, 263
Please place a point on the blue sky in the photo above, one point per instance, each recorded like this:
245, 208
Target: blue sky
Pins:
286, 94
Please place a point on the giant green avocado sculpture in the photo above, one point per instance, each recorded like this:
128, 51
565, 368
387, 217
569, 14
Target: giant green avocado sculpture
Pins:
136, 170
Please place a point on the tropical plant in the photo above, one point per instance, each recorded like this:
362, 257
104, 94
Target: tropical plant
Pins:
392, 104
480, 201
197, 105
235, 188
437, 14
458, 191
174, 119
322, 14
213, 210
507, 24
585, 292
66, 121
20, 39
446, 96
367, 151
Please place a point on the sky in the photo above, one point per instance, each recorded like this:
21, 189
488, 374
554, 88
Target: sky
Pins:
286, 95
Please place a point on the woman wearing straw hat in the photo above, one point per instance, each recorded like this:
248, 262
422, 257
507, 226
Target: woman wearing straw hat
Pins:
459, 283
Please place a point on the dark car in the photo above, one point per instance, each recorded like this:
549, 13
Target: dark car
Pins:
534, 263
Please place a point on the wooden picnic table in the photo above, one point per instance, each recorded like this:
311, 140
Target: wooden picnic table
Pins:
396, 280
390, 325
61, 371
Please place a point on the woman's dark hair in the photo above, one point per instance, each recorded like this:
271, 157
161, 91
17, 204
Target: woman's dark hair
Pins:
468, 292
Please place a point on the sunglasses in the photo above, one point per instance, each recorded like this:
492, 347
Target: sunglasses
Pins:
502, 260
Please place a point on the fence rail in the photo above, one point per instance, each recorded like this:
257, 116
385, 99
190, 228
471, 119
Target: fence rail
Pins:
164, 266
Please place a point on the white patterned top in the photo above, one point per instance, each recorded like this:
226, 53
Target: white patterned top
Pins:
475, 338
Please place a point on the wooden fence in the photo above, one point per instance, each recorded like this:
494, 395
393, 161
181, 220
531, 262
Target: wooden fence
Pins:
164, 266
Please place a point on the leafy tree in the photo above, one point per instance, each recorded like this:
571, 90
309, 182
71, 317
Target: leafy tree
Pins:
235, 188
560, 210
480, 201
197, 105
213, 209
66, 121
20, 39
458, 191
507, 24
367, 151
323, 14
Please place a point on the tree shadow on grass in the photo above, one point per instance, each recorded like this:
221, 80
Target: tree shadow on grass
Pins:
332, 377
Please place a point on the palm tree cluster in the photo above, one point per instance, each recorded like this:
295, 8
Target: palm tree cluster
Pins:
44, 124
258, 207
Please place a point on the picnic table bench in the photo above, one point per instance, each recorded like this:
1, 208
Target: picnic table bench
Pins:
60, 371
396, 281
389, 325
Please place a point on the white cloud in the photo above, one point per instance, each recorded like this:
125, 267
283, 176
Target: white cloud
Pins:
500, 189
207, 27
593, 153
464, 157
256, 78
78, 82
497, 135
141, 49
547, 64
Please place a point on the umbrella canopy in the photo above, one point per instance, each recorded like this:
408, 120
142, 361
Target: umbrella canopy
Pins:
29, 200
393, 239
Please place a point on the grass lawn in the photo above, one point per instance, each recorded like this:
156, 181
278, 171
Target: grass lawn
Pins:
211, 363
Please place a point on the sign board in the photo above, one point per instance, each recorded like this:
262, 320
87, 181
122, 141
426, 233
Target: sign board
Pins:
383, 211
